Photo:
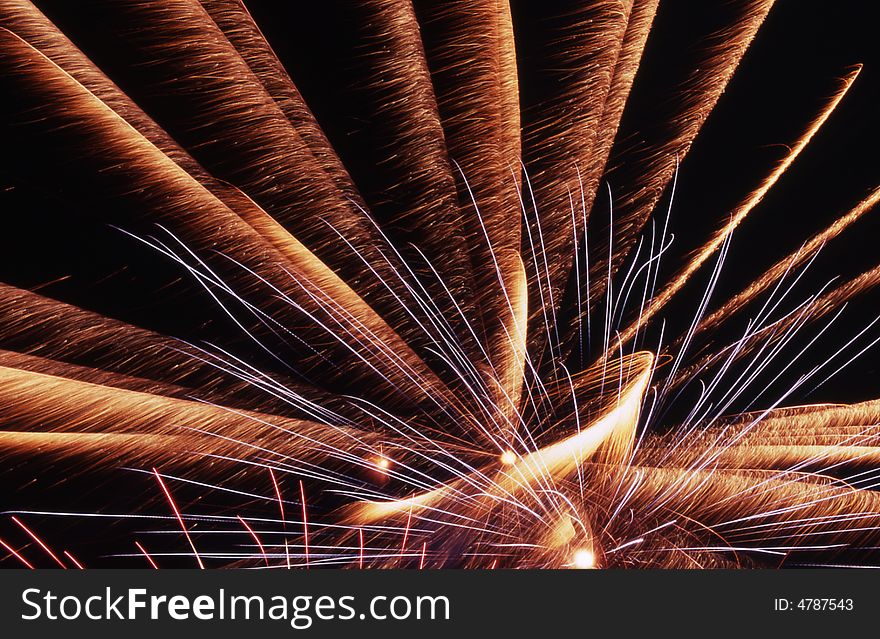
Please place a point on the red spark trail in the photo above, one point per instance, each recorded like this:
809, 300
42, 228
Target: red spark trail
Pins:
302, 493
39, 541
15, 554
73, 559
278, 495
283, 519
406, 533
179, 518
424, 550
146, 554
256, 539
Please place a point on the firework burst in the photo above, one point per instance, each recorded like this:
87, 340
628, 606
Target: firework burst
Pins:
447, 348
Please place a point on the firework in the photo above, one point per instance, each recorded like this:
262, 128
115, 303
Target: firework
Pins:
423, 329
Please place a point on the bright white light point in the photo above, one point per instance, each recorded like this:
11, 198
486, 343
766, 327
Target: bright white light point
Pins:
508, 458
584, 559
383, 463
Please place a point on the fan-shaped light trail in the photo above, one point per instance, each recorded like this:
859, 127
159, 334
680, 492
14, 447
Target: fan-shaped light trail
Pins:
391, 333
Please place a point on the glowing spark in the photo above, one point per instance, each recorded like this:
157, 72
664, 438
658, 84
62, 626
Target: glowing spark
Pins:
15, 554
584, 559
73, 559
283, 520
256, 539
508, 458
277, 494
39, 542
179, 517
146, 554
